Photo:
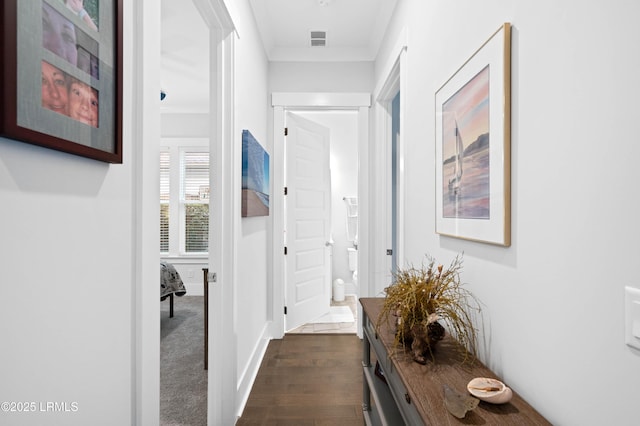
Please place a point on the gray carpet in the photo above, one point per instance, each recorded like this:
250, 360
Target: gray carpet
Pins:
183, 379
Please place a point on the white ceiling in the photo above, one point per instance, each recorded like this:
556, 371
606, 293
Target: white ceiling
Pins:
354, 31
184, 63
354, 28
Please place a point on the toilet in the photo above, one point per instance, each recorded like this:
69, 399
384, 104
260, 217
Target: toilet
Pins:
338, 289
353, 264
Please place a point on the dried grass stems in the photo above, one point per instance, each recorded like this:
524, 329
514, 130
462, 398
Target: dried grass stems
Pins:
420, 296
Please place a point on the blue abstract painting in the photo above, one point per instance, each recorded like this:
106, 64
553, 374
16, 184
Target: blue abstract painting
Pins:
255, 177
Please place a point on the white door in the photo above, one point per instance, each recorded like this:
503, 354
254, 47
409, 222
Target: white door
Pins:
308, 221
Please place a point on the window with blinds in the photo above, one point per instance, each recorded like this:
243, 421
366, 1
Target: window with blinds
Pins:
184, 201
194, 195
165, 193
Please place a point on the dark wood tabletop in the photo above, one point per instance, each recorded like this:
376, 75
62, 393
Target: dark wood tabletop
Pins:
425, 383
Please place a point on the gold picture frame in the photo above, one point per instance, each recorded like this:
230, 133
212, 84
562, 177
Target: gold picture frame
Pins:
473, 146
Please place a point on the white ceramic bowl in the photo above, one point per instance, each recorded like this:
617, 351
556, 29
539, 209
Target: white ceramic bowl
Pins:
490, 390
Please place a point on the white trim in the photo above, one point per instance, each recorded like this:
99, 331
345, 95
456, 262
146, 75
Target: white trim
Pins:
401, 45
280, 102
146, 129
379, 190
215, 15
221, 405
325, 54
223, 229
393, 80
321, 100
248, 376
365, 232
276, 291
190, 142
143, 87
185, 260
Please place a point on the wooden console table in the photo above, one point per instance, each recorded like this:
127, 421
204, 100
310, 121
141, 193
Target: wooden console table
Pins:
413, 394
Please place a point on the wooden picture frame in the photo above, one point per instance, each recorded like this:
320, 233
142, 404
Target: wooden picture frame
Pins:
473, 146
50, 51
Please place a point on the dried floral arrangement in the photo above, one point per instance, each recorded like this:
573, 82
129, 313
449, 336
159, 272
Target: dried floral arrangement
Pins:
421, 298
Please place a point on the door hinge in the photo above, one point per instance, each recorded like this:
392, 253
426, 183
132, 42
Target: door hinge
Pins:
286, 131
212, 277
285, 310
389, 252
285, 190
285, 251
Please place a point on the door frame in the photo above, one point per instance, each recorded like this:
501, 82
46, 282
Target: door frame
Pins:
145, 102
223, 222
281, 102
393, 80
222, 390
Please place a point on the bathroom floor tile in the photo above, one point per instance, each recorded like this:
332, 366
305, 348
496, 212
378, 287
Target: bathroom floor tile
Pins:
350, 300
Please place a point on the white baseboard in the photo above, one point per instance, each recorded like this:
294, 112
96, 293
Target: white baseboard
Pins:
250, 371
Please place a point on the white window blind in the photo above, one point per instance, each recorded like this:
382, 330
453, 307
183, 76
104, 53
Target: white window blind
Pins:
184, 200
194, 195
165, 182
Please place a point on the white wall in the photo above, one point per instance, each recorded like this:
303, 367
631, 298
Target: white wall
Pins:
67, 285
253, 234
187, 125
343, 126
347, 77
553, 301
67, 314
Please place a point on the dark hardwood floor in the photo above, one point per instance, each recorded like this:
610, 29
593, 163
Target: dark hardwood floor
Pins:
308, 380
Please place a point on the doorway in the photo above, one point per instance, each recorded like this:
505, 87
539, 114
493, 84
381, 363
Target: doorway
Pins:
307, 220
336, 306
387, 157
308, 103
184, 211
217, 128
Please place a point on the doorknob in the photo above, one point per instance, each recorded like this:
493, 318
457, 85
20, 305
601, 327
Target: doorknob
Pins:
329, 244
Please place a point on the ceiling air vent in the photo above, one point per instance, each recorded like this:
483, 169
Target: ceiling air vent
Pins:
318, 38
